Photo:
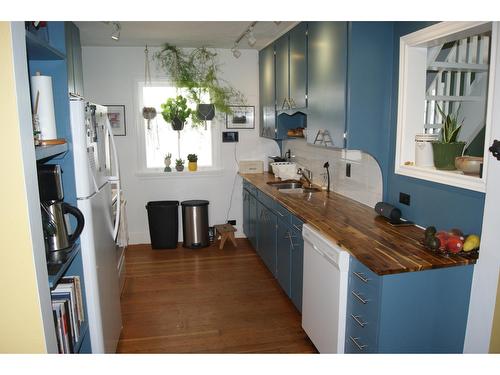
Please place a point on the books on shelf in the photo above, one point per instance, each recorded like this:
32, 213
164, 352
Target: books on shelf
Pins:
68, 312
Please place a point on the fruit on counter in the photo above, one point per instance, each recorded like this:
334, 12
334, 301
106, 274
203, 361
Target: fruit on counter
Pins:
443, 239
430, 231
471, 242
454, 244
433, 243
457, 232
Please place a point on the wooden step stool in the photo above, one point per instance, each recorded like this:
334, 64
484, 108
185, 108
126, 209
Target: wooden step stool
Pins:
225, 231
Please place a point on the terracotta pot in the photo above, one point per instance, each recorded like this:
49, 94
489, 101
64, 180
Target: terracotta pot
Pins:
193, 166
445, 154
469, 165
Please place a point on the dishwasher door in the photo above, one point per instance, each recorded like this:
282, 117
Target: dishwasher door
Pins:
324, 299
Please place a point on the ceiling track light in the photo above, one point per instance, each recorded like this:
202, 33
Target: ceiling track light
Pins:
116, 31
248, 33
236, 52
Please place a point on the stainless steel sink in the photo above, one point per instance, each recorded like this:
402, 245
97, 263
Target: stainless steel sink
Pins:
288, 185
292, 186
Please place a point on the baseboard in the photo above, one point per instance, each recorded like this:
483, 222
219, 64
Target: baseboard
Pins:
136, 238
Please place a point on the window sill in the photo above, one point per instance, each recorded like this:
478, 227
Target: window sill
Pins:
157, 173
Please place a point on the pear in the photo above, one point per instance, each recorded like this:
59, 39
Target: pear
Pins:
471, 242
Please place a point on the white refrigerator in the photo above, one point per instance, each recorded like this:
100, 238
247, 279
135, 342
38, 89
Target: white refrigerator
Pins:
94, 151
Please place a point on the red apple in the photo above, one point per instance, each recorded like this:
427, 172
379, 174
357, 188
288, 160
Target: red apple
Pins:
443, 239
454, 244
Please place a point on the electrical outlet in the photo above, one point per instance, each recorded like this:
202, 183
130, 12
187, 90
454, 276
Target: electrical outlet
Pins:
348, 169
404, 198
232, 222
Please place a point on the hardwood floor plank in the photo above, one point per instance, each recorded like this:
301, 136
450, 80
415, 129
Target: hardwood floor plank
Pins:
206, 301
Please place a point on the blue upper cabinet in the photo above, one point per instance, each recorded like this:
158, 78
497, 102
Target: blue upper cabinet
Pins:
282, 72
327, 65
74, 59
267, 92
298, 66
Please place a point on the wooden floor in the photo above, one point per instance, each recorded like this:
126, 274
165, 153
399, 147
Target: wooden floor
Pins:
206, 301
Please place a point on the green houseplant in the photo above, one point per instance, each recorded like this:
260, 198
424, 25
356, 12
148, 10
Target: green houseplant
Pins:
199, 73
193, 162
179, 165
167, 161
176, 111
447, 149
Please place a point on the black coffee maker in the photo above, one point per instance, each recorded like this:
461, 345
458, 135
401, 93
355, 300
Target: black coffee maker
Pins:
58, 241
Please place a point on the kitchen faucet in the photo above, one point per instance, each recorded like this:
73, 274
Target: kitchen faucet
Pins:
307, 174
327, 166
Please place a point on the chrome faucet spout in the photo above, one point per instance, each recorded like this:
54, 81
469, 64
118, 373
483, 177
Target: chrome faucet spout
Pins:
306, 174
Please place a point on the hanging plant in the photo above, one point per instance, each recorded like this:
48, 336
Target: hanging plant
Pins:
176, 111
148, 113
199, 73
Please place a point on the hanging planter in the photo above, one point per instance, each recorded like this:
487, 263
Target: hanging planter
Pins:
148, 113
177, 124
205, 112
176, 112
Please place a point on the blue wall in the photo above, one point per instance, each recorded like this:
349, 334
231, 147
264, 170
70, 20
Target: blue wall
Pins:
441, 205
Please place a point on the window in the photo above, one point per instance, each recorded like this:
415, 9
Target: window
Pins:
160, 138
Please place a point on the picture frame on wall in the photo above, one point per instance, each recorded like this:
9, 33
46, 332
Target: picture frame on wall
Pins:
116, 116
243, 117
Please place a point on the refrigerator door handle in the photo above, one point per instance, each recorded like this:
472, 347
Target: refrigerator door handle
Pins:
115, 179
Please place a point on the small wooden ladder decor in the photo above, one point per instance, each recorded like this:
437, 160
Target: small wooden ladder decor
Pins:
323, 138
225, 231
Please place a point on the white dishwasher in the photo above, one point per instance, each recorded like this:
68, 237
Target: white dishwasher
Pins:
324, 296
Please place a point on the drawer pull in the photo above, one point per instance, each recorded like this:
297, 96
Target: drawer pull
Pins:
296, 227
363, 301
279, 213
361, 276
355, 342
358, 320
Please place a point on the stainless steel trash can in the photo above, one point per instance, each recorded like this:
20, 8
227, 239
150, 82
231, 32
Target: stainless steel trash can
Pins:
195, 224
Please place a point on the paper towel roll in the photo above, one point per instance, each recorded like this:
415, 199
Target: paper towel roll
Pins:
45, 110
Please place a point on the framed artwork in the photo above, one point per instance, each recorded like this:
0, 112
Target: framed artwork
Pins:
243, 117
116, 116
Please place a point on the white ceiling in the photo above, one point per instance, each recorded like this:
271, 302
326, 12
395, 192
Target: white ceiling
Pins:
213, 34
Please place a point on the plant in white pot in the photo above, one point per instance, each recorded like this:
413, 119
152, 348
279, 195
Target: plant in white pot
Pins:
448, 148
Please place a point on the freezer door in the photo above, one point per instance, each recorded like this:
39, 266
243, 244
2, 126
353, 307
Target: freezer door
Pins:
101, 275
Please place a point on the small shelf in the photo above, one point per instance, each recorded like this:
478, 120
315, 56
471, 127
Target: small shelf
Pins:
56, 271
39, 49
49, 152
84, 329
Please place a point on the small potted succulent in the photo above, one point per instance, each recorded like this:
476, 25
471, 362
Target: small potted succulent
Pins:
179, 165
447, 149
193, 162
167, 161
176, 112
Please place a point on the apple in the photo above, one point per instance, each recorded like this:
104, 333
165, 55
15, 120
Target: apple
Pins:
454, 244
443, 239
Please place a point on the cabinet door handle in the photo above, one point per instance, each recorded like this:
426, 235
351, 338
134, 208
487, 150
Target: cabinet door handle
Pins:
279, 213
363, 301
361, 276
296, 227
355, 342
358, 320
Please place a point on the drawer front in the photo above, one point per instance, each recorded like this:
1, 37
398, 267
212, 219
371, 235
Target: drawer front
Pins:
267, 201
297, 223
251, 188
357, 342
283, 213
362, 322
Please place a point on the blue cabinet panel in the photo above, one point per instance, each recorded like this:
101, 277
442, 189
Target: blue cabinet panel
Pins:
283, 256
298, 66
297, 266
282, 72
267, 92
266, 236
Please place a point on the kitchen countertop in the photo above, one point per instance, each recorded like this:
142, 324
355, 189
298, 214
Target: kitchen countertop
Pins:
356, 228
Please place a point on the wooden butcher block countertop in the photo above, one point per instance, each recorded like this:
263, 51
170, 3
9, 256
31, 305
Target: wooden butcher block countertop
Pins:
355, 227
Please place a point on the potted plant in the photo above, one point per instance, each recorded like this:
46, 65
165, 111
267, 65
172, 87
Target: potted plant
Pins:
447, 149
179, 165
168, 161
176, 111
199, 72
193, 162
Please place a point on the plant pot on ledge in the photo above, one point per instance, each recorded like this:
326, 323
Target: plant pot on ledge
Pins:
445, 154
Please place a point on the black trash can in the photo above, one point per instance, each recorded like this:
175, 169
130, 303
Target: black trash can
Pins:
195, 224
163, 218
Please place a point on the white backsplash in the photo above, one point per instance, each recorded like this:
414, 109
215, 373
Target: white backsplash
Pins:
365, 183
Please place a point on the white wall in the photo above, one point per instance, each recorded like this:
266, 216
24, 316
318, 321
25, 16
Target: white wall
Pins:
110, 76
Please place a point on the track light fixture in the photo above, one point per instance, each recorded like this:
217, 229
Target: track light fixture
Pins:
248, 33
116, 31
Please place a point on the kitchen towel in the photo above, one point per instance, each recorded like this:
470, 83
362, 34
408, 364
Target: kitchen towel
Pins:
46, 118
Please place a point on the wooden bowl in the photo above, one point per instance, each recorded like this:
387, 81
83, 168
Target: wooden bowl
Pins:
469, 165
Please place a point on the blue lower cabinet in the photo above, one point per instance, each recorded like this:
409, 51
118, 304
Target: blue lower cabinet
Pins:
283, 257
297, 255
414, 312
266, 236
246, 212
250, 217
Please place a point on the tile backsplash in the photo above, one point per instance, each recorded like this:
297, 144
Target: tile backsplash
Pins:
365, 183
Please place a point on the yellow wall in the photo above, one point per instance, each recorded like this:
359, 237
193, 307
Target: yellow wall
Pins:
495, 332
21, 329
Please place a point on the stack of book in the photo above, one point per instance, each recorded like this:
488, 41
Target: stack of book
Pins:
67, 309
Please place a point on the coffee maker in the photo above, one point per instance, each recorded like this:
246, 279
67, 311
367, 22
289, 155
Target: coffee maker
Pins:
58, 241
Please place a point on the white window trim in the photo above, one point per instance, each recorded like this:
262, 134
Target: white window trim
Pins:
411, 94
215, 170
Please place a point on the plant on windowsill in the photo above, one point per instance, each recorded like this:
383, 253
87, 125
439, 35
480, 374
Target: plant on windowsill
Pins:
199, 72
168, 161
447, 149
176, 112
179, 165
193, 162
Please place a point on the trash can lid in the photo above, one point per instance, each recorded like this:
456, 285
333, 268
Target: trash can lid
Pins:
162, 203
193, 203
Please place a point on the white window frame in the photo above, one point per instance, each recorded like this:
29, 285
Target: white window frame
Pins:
411, 94
143, 170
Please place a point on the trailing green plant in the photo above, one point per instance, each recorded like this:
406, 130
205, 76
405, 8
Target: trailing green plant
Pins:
198, 72
192, 158
451, 126
168, 155
179, 162
175, 108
